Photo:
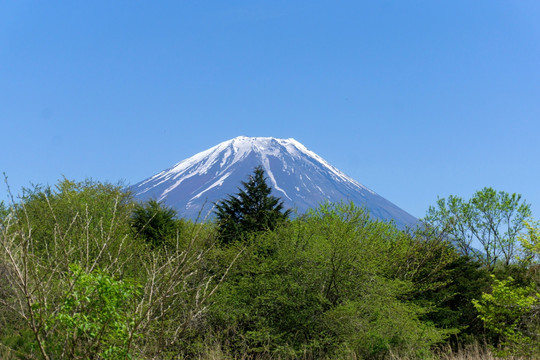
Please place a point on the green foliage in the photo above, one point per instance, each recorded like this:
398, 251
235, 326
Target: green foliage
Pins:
65, 260
322, 285
252, 209
155, 223
493, 219
507, 312
444, 282
381, 324
512, 309
95, 318
266, 306
4, 212
70, 214
87, 273
531, 243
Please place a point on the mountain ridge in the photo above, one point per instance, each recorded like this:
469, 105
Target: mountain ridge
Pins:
299, 176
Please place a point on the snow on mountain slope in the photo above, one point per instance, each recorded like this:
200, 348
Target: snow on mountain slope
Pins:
299, 176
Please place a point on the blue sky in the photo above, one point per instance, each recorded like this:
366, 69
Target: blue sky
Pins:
414, 99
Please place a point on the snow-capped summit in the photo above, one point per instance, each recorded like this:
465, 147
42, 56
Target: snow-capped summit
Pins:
299, 176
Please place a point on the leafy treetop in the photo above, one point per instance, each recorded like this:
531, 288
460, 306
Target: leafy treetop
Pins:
252, 209
155, 222
493, 219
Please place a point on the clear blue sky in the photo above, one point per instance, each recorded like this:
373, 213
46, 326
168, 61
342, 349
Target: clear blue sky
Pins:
414, 99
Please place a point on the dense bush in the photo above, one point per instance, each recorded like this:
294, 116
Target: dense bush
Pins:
155, 223
76, 283
323, 285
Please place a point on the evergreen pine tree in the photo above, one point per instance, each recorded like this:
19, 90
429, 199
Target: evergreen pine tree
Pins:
252, 209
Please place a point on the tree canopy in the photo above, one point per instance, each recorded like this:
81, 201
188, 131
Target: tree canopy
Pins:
81, 279
252, 209
154, 221
492, 219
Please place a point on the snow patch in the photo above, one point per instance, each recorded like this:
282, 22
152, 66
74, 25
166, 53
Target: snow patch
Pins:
215, 184
266, 166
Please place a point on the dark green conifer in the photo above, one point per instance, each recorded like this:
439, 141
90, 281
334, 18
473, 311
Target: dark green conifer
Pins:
154, 222
252, 209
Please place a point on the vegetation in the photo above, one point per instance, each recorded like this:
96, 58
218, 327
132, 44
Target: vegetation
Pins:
492, 219
253, 209
155, 223
86, 272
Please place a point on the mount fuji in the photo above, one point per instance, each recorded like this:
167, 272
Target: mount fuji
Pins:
301, 178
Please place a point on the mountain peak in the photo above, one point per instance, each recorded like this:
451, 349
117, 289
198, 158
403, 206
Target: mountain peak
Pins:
299, 176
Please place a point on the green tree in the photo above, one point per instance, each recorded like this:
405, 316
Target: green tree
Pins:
322, 286
492, 219
70, 212
154, 222
531, 243
252, 209
95, 318
512, 313
443, 281
76, 283
51, 228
